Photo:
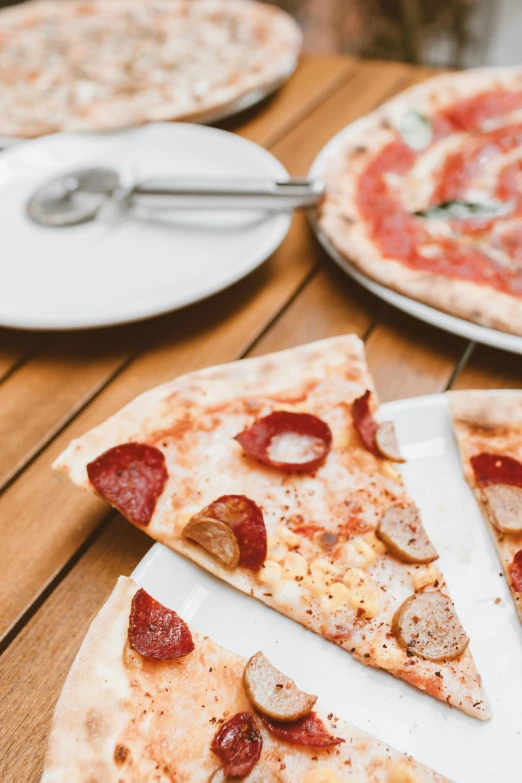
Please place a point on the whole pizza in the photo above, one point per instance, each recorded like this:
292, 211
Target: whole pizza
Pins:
424, 195
102, 64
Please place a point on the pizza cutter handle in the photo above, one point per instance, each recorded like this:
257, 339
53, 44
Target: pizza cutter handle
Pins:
218, 193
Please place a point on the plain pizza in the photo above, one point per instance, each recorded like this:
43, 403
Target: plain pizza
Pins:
149, 699
102, 64
276, 475
423, 195
488, 425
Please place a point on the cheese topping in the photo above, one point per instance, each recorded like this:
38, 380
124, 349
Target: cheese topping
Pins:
286, 535
387, 654
323, 775
360, 554
295, 565
425, 575
403, 773
336, 596
277, 550
362, 594
271, 573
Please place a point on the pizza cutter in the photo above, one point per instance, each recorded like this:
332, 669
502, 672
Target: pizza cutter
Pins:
85, 194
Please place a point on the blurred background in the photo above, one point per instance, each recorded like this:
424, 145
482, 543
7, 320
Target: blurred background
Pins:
452, 33
455, 33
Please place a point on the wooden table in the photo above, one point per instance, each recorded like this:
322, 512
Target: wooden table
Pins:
61, 550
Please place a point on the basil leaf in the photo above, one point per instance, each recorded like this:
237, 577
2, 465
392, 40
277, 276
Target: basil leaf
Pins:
464, 210
416, 130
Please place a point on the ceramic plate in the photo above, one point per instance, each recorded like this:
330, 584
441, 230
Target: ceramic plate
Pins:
450, 323
99, 274
462, 748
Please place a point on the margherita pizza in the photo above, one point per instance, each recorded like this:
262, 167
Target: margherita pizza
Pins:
147, 699
424, 195
488, 425
102, 64
276, 475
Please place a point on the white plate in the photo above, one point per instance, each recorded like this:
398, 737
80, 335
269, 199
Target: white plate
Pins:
98, 274
450, 323
462, 748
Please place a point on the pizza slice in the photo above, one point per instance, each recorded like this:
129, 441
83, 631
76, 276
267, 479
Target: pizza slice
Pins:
488, 426
275, 474
148, 699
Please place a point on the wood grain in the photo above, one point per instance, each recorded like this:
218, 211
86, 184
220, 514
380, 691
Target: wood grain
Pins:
329, 305
314, 80
15, 347
488, 368
369, 85
54, 385
408, 358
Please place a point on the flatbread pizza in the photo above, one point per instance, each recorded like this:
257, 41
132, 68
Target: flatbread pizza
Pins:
488, 426
86, 65
423, 196
150, 699
276, 475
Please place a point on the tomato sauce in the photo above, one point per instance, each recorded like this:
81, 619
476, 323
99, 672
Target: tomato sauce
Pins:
399, 234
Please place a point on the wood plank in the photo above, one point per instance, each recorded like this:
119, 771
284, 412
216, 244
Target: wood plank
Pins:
489, 368
52, 522
15, 346
53, 385
330, 304
33, 669
370, 84
314, 79
408, 358
60, 379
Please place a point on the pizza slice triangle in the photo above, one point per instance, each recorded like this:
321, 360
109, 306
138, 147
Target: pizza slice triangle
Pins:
488, 426
148, 699
274, 474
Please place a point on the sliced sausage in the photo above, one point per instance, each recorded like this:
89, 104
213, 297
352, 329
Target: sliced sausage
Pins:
386, 442
273, 693
504, 505
216, 537
426, 625
402, 531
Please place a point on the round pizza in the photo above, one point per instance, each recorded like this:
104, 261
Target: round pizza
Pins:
102, 64
424, 195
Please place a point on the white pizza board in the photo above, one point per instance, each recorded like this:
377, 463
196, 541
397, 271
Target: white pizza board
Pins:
450, 323
99, 273
464, 749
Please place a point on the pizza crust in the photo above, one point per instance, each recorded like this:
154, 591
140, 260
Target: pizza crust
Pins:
101, 707
340, 223
322, 378
490, 421
211, 78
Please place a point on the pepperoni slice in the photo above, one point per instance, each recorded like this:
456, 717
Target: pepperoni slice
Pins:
309, 730
130, 477
293, 442
245, 518
496, 469
516, 572
157, 632
364, 422
238, 744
